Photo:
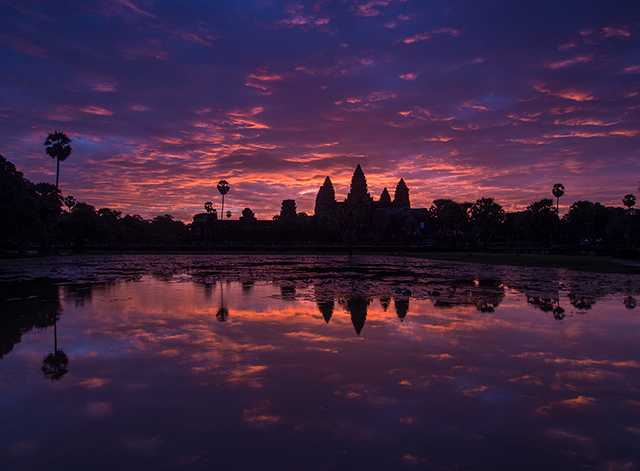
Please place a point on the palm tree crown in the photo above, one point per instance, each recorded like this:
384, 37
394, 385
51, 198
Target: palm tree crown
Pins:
59, 148
223, 188
558, 191
629, 200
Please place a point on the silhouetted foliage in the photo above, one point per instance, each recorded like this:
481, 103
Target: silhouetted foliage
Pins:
247, 215
541, 219
166, 230
223, 189
588, 219
451, 220
29, 213
20, 207
486, 216
59, 148
26, 305
558, 191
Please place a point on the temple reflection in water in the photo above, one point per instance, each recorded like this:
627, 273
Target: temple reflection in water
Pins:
368, 361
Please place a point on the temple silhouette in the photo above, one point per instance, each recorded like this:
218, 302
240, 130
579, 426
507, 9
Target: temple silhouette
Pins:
359, 219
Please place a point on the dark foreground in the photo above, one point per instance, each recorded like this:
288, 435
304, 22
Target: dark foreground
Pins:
315, 362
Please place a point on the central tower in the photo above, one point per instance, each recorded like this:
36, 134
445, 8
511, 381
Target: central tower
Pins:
359, 193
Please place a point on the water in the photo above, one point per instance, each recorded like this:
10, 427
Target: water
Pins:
305, 363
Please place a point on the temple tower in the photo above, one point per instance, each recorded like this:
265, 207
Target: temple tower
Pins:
326, 198
359, 193
401, 197
385, 199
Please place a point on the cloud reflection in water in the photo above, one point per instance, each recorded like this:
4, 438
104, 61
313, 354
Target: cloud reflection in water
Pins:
329, 373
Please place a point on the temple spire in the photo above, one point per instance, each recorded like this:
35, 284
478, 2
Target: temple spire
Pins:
326, 198
359, 192
401, 197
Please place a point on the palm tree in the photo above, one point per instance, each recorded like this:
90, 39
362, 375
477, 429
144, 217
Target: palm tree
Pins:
223, 312
629, 201
558, 191
54, 365
59, 148
208, 207
223, 188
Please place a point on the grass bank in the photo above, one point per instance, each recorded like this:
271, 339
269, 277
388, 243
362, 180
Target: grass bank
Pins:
571, 262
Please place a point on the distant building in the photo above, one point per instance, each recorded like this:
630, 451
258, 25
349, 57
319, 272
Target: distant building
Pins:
288, 211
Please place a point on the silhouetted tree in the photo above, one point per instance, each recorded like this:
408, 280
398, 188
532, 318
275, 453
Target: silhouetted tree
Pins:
59, 148
208, 207
223, 188
247, 215
83, 224
50, 203
166, 230
20, 206
540, 219
589, 220
487, 216
629, 201
558, 191
451, 219
69, 202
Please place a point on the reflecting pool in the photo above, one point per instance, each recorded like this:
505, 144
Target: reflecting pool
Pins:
315, 362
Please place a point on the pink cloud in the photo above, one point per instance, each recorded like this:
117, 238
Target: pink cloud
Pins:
97, 110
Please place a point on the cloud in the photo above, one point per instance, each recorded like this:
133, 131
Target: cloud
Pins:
171, 97
97, 110
136, 9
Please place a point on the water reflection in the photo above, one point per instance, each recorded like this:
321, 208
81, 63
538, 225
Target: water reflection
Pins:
223, 313
414, 368
33, 304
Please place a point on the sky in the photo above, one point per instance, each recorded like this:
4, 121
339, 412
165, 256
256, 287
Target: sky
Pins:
463, 99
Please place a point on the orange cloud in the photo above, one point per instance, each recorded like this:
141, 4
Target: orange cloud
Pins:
410, 76
575, 403
569, 94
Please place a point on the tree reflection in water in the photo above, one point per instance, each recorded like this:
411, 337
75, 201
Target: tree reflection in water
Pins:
223, 313
24, 306
629, 302
281, 382
54, 365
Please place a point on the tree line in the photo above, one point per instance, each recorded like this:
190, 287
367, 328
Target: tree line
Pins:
39, 214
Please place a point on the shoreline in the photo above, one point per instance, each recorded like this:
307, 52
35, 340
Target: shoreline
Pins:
587, 263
